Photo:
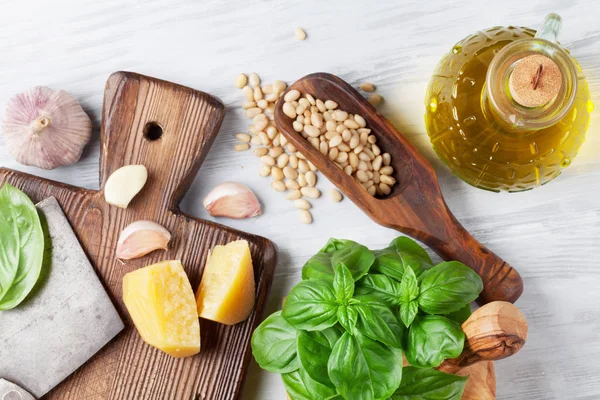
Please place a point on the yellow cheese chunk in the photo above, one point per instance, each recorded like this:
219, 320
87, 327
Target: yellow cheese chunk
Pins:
226, 292
160, 300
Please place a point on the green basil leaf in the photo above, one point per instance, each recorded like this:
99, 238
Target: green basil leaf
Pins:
336, 244
447, 287
300, 386
372, 323
429, 384
382, 286
387, 314
274, 345
357, 258
408, 312
318, 267
347, 316
314, 349
311, 305
21, 246
402, 252
432, 339
409, 286
361, 368
461, 315
343, 283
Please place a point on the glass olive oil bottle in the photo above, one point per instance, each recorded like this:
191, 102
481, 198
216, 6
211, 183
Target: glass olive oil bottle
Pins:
507, 109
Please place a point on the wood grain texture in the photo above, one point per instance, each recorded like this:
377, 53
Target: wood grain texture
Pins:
481, 384
415, 206
550, 234
127, 368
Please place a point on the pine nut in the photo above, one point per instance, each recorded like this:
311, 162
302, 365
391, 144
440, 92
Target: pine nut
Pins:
305, 217
367, 87
302, 204
293, 195
264, 139
321, 106
369, 153
354, 141
377, 163
372, 190
278, 186
387, 170
292, 184
256, 141
300, 34
343, 147
257, 94
311, 178
342, 157
271, 97
339, 115
298, 126
254, 79
362, 176
276, 173
253, 112
324, 148
337, 139
374, 99
327, 116
282, 160
268, 160
364, 138
241, 147
300, 156
388, 180
279, 86
372, 139
375, 149
243, 137
310, 99
387, 159
302, 180
314, 142
283, 140
262, 104
262, 123
346, 135
348, 170
293, 161
317, 120
265, 170
330, 126
276, 141
248, 93
333, 153
241, 81
312, 131
363, 166
358, 149
289, 110
272, 132
364, 156
267, 89
360, 120
312, 166
260, 151
290, 173
353, 160
291, 95
335, 196
249, 104
276, 152
310, 192
385, 189
300, 109
351, 124
303, 166
376, 177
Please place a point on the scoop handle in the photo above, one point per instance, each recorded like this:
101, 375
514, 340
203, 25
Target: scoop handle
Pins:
493, 332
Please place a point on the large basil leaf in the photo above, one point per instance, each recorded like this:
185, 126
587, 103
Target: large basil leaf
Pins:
274, 345
318, 267
21, 246
429, 384
363, 369
336, 244
356, 257
386, 313
373, 322
447, 287
381, 286
408, 312
432, 339
314, 349
401, 253
343, 283
347, 316
300, 386
311, 305
461, 315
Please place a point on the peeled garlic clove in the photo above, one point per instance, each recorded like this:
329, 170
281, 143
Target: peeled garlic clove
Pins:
45, 128
123, 184
232, 200
141, 238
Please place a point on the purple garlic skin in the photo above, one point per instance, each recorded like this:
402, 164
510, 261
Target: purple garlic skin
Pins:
45, 128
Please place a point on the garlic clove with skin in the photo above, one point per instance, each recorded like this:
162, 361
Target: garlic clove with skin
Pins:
45, 128
141, 238
232, 200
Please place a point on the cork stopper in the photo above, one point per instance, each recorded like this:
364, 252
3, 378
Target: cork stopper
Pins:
535, 81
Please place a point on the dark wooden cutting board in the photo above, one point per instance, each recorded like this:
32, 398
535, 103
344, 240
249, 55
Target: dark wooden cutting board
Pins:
137, 110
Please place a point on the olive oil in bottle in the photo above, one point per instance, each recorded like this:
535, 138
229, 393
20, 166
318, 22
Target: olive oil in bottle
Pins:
507, 109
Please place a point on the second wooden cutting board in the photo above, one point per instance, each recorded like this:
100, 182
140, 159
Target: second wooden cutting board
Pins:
169, 129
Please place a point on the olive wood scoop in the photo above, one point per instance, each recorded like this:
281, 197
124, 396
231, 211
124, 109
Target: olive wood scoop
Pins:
493, 332
415, 206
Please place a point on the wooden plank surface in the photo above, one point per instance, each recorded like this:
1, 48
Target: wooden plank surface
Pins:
127, 368
551, 235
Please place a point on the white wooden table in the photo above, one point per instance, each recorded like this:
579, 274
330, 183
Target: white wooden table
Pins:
551, 234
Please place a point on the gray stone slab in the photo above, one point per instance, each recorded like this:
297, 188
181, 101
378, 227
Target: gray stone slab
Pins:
66, 319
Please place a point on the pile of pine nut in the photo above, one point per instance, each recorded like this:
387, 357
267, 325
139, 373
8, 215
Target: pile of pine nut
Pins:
290, 170
342, 137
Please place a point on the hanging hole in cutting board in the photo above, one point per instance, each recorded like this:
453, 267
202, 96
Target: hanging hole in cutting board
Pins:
153, 131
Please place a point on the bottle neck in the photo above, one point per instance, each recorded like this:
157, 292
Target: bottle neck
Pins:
518, 107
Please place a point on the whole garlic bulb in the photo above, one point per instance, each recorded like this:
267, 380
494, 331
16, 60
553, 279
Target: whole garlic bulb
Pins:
46, 128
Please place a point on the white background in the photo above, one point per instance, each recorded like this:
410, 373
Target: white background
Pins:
551, 234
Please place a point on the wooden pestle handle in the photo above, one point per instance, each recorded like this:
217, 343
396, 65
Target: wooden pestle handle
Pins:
493, 332
152, 122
